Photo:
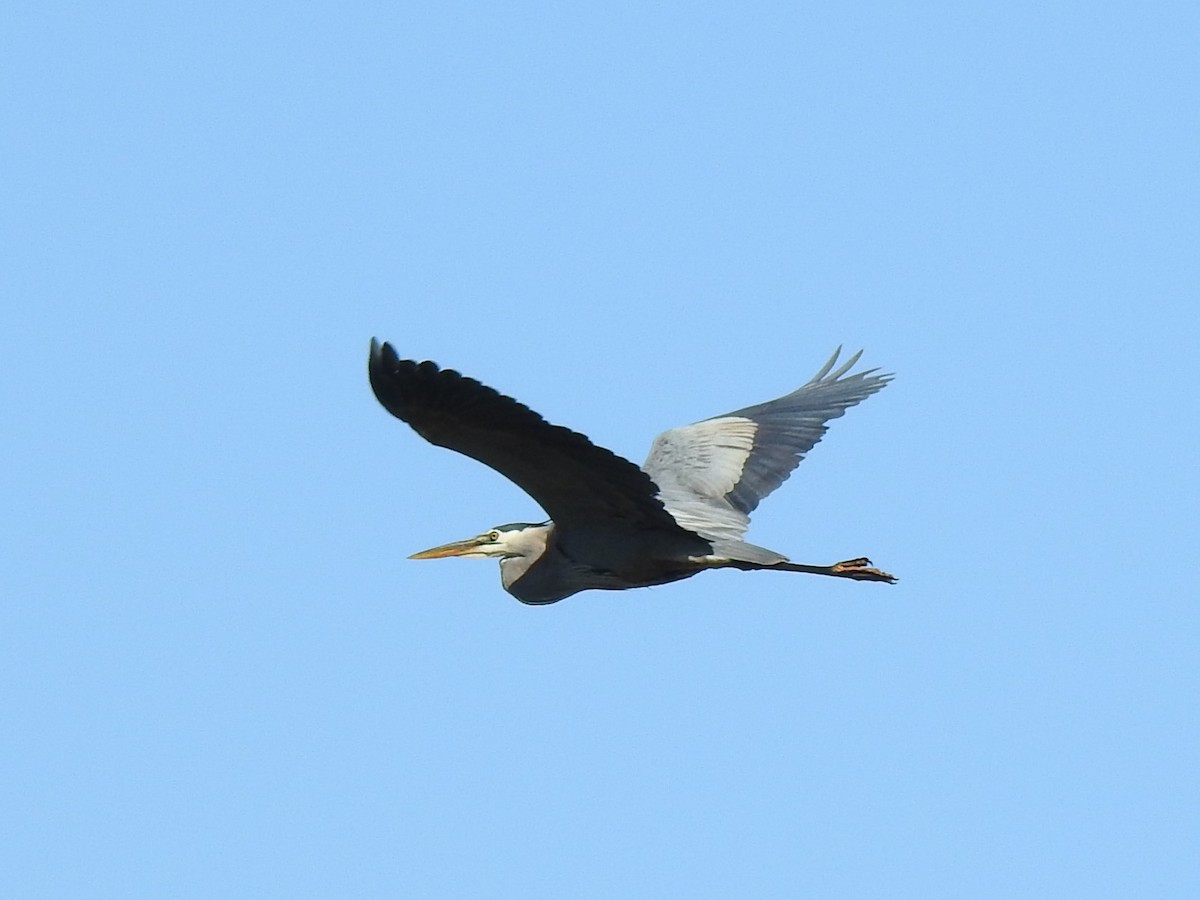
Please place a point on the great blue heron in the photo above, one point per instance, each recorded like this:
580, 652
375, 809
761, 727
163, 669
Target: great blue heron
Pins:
612, 525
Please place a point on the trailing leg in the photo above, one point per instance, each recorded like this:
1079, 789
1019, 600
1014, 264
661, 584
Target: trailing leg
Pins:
859, 569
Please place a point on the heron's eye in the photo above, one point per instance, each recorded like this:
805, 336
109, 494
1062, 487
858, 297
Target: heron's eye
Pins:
493, 536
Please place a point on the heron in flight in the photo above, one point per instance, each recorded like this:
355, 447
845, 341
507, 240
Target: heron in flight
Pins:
612, 525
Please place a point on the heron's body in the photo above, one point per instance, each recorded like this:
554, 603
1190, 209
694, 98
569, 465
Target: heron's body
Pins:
614, 526
549, 574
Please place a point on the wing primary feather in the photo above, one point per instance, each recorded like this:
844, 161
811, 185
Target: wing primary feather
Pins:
825, 369
847, 366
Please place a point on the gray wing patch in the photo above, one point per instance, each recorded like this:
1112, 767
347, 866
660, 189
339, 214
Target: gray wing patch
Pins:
712, 474
707, 458
698, 464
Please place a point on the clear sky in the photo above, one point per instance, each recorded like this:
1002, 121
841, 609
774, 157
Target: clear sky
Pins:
219, 674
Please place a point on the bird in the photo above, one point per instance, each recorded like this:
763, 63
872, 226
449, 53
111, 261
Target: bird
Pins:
612, 525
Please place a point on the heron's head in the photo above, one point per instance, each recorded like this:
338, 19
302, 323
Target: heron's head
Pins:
502, 541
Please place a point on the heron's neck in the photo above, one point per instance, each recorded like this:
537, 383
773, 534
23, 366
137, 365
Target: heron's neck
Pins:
526, 548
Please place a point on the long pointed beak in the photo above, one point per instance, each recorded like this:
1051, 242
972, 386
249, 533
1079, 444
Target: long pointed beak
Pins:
454, 548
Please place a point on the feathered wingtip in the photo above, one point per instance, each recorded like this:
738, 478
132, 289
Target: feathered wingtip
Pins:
375, 358
826, 374
381, 355
380, 360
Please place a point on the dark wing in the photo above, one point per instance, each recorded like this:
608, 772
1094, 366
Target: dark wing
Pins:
577, 483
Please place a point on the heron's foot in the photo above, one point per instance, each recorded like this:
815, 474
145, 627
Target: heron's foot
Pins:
860, 570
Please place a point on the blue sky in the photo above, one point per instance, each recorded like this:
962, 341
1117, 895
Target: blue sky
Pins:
221, 676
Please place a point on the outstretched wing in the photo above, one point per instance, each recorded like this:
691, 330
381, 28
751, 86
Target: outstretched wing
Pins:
578, 484
712, 474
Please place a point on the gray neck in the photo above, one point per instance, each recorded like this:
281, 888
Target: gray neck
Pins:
526, 547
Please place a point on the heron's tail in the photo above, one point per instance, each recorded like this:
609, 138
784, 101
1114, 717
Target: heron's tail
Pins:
743, 555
